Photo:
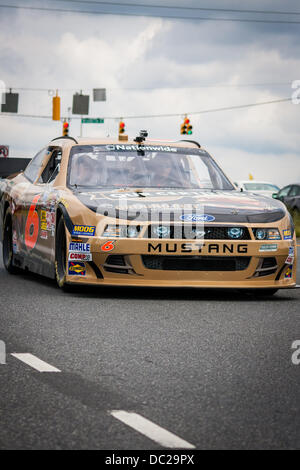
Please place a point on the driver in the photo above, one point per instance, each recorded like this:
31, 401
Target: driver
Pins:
164, 172
85, 171
137, 175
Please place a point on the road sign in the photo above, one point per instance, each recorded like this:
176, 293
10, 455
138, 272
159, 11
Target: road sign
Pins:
4, 151
11, 103
92, 121
80, 104
99, 94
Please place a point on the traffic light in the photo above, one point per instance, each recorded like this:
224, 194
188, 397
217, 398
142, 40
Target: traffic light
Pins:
65, 129
56, 108
186, 127
183, 128
189, 127
121, 127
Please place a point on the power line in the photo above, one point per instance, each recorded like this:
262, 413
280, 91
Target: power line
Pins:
190, 113
221, 85
243, 20
168, 7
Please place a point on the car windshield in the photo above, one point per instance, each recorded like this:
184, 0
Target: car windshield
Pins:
125, 166
261, 187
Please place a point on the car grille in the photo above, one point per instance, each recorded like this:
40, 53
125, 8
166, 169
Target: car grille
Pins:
116, 264
196, 263
266, 266
187, 232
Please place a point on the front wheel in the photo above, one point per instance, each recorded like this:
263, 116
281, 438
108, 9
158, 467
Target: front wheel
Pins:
7, 246
60, 254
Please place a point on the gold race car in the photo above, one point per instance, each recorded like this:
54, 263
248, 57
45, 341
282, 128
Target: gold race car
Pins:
142, 213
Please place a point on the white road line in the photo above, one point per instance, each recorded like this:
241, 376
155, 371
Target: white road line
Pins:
151, 430
35, 362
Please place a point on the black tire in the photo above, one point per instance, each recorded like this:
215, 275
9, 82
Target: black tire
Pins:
261, 292
7, 245
61, 254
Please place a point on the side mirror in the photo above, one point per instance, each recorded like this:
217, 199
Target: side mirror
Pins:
275, 196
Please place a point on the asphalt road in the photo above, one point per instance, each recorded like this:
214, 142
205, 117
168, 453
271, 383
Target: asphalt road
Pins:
213, 369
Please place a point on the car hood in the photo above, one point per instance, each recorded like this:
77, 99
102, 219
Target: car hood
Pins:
262, 193
219, 206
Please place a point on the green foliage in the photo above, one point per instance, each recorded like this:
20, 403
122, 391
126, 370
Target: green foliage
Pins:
296, 218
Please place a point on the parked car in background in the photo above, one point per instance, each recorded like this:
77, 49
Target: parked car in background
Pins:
290, 195
263, 188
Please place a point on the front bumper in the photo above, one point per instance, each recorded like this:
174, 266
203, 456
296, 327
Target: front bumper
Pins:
128, 262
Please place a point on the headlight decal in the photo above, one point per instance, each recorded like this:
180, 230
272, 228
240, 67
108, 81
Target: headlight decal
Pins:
266, 234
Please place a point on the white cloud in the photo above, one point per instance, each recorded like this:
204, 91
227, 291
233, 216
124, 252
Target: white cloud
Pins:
74, 52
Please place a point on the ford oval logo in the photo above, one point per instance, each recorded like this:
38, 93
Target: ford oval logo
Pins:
197, 218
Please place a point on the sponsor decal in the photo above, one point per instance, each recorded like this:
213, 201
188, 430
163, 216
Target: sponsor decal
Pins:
108, 246
50, 218
79, 256
150, 148
88, 230
212, 248
291, 256
44, 234
80, 247
289, 273
268, 247
80, 251
15, 242
77, 268
287, 235
43, 220
274, 234
197, 218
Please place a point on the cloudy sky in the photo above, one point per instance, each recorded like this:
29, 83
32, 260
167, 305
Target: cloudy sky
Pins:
157, 65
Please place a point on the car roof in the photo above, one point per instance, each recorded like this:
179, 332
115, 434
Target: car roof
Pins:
71, 141
256, 181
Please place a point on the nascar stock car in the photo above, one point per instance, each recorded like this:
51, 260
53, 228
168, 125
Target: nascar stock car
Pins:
142, 213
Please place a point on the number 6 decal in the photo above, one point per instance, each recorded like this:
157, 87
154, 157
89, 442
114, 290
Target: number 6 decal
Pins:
32, 225
108, 246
